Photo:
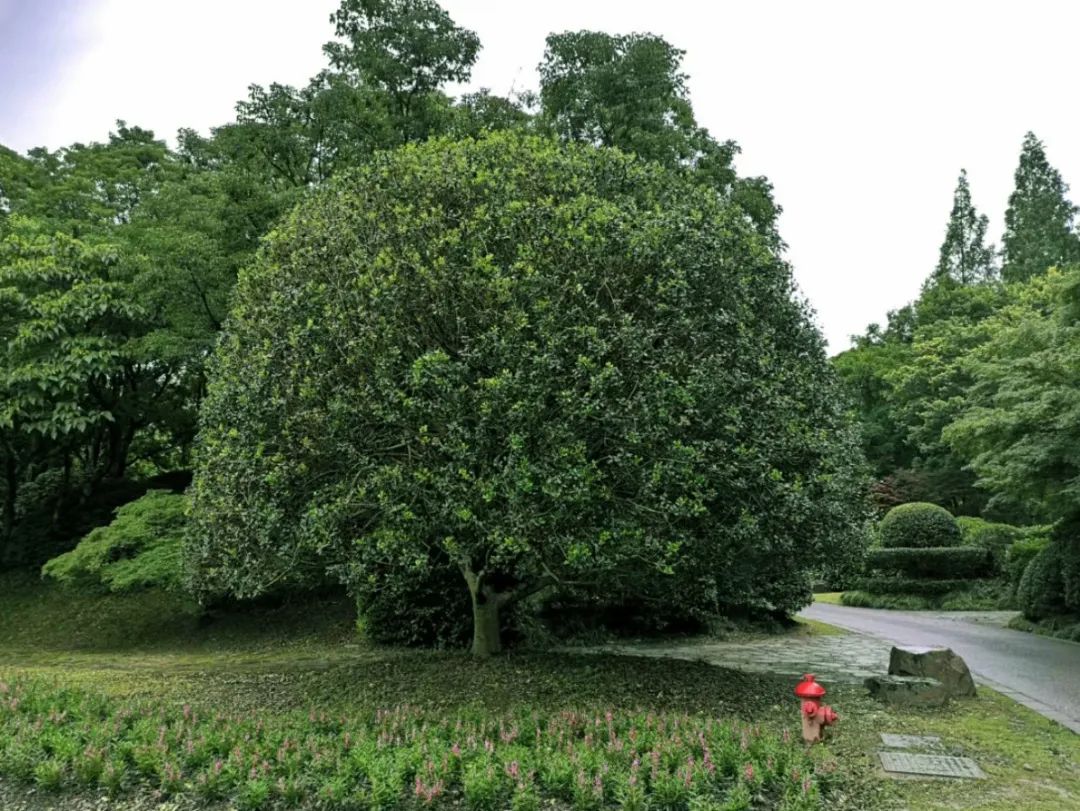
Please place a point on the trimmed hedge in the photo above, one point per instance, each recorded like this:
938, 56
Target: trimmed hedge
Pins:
938, 563
919, 524
909, 585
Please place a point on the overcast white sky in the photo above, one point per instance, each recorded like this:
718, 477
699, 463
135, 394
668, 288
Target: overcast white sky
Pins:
861, 113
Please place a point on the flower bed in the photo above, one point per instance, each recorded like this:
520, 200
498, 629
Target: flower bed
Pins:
64, 740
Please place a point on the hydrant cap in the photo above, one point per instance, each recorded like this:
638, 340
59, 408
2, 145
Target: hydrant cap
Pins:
808, 688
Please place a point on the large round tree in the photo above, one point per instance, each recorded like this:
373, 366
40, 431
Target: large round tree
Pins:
531, 364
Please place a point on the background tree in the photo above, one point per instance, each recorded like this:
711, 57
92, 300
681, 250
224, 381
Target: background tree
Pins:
1020, 427
965, 256
628, 91
74, 382
409, 50
1039, 219
533, 367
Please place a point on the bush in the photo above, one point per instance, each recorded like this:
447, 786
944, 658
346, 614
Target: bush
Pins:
936, 563
438, 608
909, 585
964, 595
139, 549
919, 524
1042, 588
51, 519
898, 602
994, 537
1019, 555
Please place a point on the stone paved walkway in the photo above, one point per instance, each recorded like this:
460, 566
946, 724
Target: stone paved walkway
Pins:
847, 658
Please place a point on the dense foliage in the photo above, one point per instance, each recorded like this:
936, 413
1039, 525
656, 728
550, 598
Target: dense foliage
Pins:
611, 388
103, 392
139, 549
970, 398
917, 524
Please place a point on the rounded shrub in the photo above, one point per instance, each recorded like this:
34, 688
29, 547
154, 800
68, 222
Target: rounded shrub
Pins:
1019, 556
528, 366
919, 524
1042, 588
140, 549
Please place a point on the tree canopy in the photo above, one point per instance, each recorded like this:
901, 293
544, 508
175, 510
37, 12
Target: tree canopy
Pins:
535, 366
965, 257
1039, 220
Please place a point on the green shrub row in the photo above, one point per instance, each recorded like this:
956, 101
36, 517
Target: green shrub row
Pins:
938, 563
911, 585
918, 524
975, 595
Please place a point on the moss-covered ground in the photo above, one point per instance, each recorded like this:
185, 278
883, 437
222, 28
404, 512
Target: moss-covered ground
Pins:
283, 665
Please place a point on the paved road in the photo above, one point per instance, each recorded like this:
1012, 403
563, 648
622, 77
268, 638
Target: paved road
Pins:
1037, 671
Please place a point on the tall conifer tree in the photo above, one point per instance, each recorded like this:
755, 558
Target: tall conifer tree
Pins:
965, 256
1039, 220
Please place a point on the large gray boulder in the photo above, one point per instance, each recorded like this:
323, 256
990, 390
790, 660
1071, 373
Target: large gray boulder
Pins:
907, 691
933, 663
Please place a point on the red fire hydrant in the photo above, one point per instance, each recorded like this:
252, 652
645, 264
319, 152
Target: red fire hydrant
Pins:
815, 715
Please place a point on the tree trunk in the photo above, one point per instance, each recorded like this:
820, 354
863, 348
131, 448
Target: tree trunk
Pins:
487, 635
11, 472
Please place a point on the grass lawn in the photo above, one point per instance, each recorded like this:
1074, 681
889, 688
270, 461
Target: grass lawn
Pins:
288, 708
830, 598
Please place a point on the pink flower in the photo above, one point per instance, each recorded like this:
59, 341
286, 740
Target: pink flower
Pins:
748, 772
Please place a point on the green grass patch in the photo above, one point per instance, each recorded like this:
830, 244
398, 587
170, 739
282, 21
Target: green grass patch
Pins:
829, 597
1031, 763
809, 627
42, 619
1065, 627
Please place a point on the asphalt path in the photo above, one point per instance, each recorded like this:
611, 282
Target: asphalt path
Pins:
1039, 672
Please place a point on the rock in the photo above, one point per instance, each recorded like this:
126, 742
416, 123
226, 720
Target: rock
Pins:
933, 663
908, 691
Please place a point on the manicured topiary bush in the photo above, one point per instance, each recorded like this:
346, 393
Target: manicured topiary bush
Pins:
918, 524
936, 562
139, 549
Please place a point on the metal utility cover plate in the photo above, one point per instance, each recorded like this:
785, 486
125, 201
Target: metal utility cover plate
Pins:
936, 765
910, 741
